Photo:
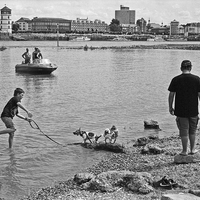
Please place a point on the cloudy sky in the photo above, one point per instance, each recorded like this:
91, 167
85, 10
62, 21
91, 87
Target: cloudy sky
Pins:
158, 11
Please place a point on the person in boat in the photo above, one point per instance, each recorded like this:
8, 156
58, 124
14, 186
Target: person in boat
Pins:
36, 55
10, 110
27, 56
39, 55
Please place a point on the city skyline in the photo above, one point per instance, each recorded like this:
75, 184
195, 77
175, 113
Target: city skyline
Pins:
158, 11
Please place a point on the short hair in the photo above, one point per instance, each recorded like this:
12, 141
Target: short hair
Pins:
186, 65
18, 91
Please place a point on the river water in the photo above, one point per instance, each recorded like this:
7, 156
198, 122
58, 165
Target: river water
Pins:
92, 89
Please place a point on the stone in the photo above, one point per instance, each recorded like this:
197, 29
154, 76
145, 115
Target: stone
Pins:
180, 159
180, 196
152, 149
195, 192
116, 147
151, 124
83, 177
110, 181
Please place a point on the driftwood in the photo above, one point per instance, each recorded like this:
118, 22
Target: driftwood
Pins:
116, 148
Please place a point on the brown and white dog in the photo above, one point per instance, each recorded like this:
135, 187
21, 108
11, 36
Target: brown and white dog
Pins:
92, 137
111, 135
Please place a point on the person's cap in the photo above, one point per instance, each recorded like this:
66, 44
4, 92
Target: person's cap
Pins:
186, 63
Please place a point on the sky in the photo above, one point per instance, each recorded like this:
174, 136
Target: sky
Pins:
158, 11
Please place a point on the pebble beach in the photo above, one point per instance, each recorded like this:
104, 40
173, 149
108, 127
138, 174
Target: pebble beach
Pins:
186, 175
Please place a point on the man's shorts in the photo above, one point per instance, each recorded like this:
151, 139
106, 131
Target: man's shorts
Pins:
187, 125
8, 122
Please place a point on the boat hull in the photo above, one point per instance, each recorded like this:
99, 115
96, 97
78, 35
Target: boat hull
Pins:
34, 69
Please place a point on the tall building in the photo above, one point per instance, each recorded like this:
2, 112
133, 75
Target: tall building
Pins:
125, 16
174, 27
6, 25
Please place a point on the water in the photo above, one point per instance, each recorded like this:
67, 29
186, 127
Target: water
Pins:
90, 89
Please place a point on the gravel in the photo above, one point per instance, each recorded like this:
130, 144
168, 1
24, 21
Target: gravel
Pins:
186, 175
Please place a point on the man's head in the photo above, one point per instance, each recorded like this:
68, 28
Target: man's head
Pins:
186, 65
19, 92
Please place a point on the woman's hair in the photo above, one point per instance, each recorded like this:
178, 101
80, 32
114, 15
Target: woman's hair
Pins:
18, 91
186, 65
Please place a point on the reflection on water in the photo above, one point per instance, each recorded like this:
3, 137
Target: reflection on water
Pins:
90, 89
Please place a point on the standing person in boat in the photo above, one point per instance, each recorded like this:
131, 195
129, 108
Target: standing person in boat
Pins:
34, 54
27, 56
185, 89
39, 55
9, 111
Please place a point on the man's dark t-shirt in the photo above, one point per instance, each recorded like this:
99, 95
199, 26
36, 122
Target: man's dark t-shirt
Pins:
11, 108
186, 87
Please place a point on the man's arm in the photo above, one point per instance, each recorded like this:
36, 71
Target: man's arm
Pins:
199, 95
170, 101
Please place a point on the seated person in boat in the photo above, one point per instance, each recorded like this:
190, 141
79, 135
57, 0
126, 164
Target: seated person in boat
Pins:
27, 56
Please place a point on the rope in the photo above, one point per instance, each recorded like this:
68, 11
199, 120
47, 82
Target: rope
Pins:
37, 127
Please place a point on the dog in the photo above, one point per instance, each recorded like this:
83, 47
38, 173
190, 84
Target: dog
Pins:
111, 135
92, 137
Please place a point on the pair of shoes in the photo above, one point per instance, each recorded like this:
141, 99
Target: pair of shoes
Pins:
168, 183
165, 183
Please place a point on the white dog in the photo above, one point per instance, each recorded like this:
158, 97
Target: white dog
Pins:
111, 135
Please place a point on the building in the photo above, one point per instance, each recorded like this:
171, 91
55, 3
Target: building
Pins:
25, 24
125, 16
6, 25
192, 28
85, 25
174, 28
50, 25
142, 25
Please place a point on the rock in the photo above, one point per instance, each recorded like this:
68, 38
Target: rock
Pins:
116, 148
195, 192
144, 140
151, 124
110, 181
83, 177
180, 196
152, 149
180, 159
141, 141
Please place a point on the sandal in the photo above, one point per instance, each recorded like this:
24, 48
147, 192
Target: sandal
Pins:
168, 183
165, 183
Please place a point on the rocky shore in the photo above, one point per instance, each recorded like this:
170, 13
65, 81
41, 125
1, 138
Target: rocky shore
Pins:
152, 46
135, 161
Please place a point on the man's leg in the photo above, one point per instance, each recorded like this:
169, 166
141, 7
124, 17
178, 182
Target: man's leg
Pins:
183, 126
184, 140
192, 133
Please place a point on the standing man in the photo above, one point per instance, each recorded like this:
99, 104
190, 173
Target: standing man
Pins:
185, 89
27, 56
9, 111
